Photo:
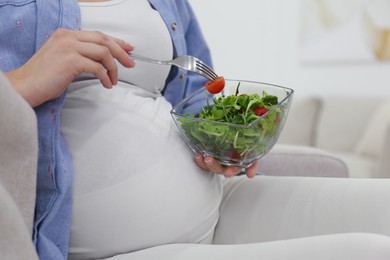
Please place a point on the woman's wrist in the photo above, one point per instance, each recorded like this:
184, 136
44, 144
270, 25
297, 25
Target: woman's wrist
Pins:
22, 85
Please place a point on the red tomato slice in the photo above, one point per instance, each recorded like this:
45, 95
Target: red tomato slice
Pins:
259, 111
216, 86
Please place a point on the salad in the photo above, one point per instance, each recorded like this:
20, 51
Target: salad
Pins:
235, 127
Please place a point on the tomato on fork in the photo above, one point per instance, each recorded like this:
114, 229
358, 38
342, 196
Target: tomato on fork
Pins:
215, 86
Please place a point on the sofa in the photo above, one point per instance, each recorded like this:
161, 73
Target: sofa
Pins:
354, 129
18, 163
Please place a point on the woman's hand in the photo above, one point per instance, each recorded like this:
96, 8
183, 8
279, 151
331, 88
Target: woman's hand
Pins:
210, 164
64, 56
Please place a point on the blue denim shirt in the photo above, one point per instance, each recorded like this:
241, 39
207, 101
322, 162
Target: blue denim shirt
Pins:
24, 27
187, 40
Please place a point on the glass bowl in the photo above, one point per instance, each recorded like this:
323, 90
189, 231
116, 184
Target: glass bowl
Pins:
233, 144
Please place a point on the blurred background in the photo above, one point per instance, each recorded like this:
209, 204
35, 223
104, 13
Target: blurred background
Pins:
313, 46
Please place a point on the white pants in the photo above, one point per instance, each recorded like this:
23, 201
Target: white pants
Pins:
293, 218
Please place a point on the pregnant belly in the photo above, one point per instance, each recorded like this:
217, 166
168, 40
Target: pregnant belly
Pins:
136, 184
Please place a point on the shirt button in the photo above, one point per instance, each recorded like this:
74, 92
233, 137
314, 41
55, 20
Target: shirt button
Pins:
182, 76
173, 26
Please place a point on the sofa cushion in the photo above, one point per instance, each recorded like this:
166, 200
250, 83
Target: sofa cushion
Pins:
343, 120
359, 166
301, 122
19, 149
15, 240
371, 142
296, 160
384, 162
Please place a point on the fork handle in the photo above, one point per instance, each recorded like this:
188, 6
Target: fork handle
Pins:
147, 59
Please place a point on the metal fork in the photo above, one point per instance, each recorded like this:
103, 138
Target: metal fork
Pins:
186, 62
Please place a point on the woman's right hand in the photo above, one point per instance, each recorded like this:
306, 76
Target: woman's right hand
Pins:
64, 56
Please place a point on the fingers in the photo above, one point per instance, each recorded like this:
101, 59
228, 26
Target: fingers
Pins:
105, 62
118, 48
251, 171
97, 69
232, 171
63, 57
97, 47
210, 164
213, 165
199, 159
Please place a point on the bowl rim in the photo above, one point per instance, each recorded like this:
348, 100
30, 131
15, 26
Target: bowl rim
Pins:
289, 91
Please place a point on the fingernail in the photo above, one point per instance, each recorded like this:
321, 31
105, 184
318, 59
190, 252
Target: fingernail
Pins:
132, 63
208, 160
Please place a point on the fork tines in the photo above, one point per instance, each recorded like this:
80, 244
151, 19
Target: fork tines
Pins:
206, 70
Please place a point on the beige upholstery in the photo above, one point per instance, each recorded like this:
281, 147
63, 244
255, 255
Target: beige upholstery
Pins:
302, 161
15, 238
18, 164
350, 128
384, 166
301, 121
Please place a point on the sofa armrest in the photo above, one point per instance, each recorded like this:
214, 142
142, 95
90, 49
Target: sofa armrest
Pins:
294, 160
384, 157
15, 240
19, 150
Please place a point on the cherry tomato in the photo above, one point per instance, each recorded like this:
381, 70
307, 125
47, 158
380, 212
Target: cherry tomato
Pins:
215, 86
259, 111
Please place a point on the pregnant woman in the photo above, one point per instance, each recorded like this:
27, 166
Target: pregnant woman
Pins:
137, 193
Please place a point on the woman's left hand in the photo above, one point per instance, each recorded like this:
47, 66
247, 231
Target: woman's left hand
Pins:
210, 164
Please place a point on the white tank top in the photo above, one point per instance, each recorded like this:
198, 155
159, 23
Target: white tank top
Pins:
137, 23
136, 184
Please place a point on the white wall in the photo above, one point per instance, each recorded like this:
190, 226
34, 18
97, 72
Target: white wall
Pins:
258, 40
